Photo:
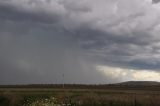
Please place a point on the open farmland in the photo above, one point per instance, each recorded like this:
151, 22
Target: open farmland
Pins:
80, 95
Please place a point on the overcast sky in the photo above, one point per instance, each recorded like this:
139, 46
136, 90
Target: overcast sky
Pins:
89, 41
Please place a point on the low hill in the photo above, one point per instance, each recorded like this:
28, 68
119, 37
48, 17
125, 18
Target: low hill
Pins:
139, 83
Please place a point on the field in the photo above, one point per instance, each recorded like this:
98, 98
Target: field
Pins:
79, 95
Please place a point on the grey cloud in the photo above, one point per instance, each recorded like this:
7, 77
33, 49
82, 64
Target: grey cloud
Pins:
78, 6
41, 54
119, 51
9, 12
39, 45
155, 1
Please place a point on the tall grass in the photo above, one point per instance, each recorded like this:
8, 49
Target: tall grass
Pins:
78, 98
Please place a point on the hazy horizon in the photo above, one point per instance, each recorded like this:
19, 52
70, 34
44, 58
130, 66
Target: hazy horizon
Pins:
87, 41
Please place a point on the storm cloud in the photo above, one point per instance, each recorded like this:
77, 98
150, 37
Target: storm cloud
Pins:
41, 40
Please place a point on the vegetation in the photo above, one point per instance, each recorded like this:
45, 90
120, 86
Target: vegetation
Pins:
86, 96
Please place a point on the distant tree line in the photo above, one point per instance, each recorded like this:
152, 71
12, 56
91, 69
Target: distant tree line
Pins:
84, 86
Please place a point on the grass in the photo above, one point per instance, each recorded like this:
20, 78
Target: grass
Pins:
78, 97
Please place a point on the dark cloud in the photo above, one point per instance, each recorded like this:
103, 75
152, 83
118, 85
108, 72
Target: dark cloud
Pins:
41, 54
155, 1
9, 12
41, 40
118, 50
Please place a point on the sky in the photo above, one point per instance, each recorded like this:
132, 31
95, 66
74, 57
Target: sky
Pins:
87, 41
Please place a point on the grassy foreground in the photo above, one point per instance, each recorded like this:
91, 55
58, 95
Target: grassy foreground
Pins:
78, 97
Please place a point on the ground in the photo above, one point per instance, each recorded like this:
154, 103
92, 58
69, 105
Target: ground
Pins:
82, 96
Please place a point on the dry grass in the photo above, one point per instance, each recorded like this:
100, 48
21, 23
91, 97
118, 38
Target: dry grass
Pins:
81, 97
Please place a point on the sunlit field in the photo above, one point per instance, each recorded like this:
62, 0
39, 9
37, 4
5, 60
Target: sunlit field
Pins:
91, 96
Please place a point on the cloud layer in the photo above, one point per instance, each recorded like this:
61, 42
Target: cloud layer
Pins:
42, 39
